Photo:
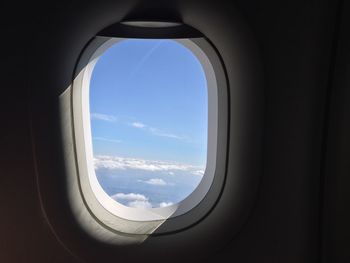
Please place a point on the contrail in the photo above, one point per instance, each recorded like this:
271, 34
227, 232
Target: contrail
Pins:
145, 58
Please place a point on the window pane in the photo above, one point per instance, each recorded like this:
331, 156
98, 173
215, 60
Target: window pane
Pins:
149, 118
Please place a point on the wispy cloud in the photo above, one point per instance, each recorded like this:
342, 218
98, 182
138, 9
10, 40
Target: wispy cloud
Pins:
123, 163
106, 139
156, 131
103, 117
160, 133
138, 125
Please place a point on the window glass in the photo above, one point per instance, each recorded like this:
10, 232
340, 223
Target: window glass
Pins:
149, 122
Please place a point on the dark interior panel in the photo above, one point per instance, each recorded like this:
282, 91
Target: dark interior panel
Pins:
301, 211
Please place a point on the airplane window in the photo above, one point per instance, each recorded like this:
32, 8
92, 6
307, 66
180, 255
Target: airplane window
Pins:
148, 102
149, 132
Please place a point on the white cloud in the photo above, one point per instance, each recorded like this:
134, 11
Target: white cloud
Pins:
138, 125
106, 139
103, 117
129, 197
155, 181
137, 200
164, 204
140, 204
122, 163
198, 172
133, 200
160, 133
156, 131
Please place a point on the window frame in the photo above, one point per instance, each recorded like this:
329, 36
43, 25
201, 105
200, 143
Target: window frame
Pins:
134, 222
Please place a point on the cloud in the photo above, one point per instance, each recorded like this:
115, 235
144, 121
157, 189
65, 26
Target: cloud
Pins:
138, 125
164, 204
160, 133
123, 163
198, 172
155, 181
156, 131
133, 200
103, 117
137, 200
140, 204
106, 139
129, 197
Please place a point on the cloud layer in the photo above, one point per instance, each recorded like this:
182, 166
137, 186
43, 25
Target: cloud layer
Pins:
122, 163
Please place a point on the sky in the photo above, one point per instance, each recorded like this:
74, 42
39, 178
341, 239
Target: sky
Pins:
148, 108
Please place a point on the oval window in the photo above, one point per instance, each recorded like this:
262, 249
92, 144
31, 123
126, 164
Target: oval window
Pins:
149, 122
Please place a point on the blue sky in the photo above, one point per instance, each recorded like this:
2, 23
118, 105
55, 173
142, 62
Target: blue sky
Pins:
148, 105
153, 96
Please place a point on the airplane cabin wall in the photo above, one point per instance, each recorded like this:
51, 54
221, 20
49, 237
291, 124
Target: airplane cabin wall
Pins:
289, 221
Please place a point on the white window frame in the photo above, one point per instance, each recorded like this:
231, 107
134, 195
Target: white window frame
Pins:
117, 217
